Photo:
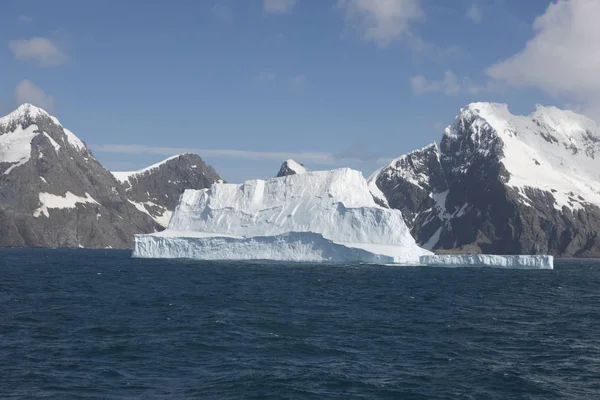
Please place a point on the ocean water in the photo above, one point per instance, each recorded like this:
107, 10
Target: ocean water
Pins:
81, 324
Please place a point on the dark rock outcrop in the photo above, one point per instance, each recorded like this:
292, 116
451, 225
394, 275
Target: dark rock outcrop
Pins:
503, 184
156, 189
290, 167
54, 193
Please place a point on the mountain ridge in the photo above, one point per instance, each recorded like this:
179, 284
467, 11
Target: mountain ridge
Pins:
508, 184
53, 191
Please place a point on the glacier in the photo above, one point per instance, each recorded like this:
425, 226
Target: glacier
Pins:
317, 216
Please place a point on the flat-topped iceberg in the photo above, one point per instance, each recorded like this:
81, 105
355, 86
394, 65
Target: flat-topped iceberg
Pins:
492, 260
327, 216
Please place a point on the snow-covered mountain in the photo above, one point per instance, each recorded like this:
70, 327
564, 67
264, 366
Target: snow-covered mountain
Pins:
504, 184
291, 167
54, 193
313, 216
155, 190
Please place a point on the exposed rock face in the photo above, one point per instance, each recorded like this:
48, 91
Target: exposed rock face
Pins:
408, 182
54, 193
291, 167
156, 190
509, 184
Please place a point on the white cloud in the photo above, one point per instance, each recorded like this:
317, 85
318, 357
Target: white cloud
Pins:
278, 6
475, 13
315, 157
27, 92
25, 18
562, 58
39, 50
320, 158
448, 85
223, 13
382, 21
451, 84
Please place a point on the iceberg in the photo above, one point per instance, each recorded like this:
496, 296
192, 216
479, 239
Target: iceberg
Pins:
318, 216
491, 260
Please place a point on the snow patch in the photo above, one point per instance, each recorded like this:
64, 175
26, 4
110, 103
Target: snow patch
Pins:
15, 146
52, 142
124, 176
374, 189
69, 200
72, 139
433, 240
296, 167
162, 219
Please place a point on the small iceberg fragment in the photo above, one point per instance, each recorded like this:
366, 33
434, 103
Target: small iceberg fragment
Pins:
489, 260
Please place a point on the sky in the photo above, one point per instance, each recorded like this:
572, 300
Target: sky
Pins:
330, 83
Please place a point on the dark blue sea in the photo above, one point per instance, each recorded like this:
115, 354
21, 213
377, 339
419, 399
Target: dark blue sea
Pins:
81, 324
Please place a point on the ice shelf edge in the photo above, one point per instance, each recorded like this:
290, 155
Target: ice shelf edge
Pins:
489, 260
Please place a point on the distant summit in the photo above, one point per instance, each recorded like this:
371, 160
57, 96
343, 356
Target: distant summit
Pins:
291, 167
155, 190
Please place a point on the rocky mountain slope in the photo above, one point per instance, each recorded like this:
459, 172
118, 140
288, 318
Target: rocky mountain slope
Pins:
54, 193
155, 190
503, 184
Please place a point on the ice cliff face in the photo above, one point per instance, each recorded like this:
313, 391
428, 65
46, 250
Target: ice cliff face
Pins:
155, 190
336, 205
504, 184
54, 193
490, 260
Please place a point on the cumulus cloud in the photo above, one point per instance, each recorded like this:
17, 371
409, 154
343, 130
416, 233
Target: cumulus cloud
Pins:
562, 57
475, 14
27, 92
381, 21
278, 6
451, 84
39, 50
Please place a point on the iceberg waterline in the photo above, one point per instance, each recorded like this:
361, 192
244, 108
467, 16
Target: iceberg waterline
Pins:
293, 246
500, 261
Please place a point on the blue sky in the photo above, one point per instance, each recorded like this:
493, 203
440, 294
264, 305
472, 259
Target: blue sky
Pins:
247, 84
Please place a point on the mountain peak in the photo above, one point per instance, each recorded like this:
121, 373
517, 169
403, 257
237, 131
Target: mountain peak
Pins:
25, 110
190, 161
291, 167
